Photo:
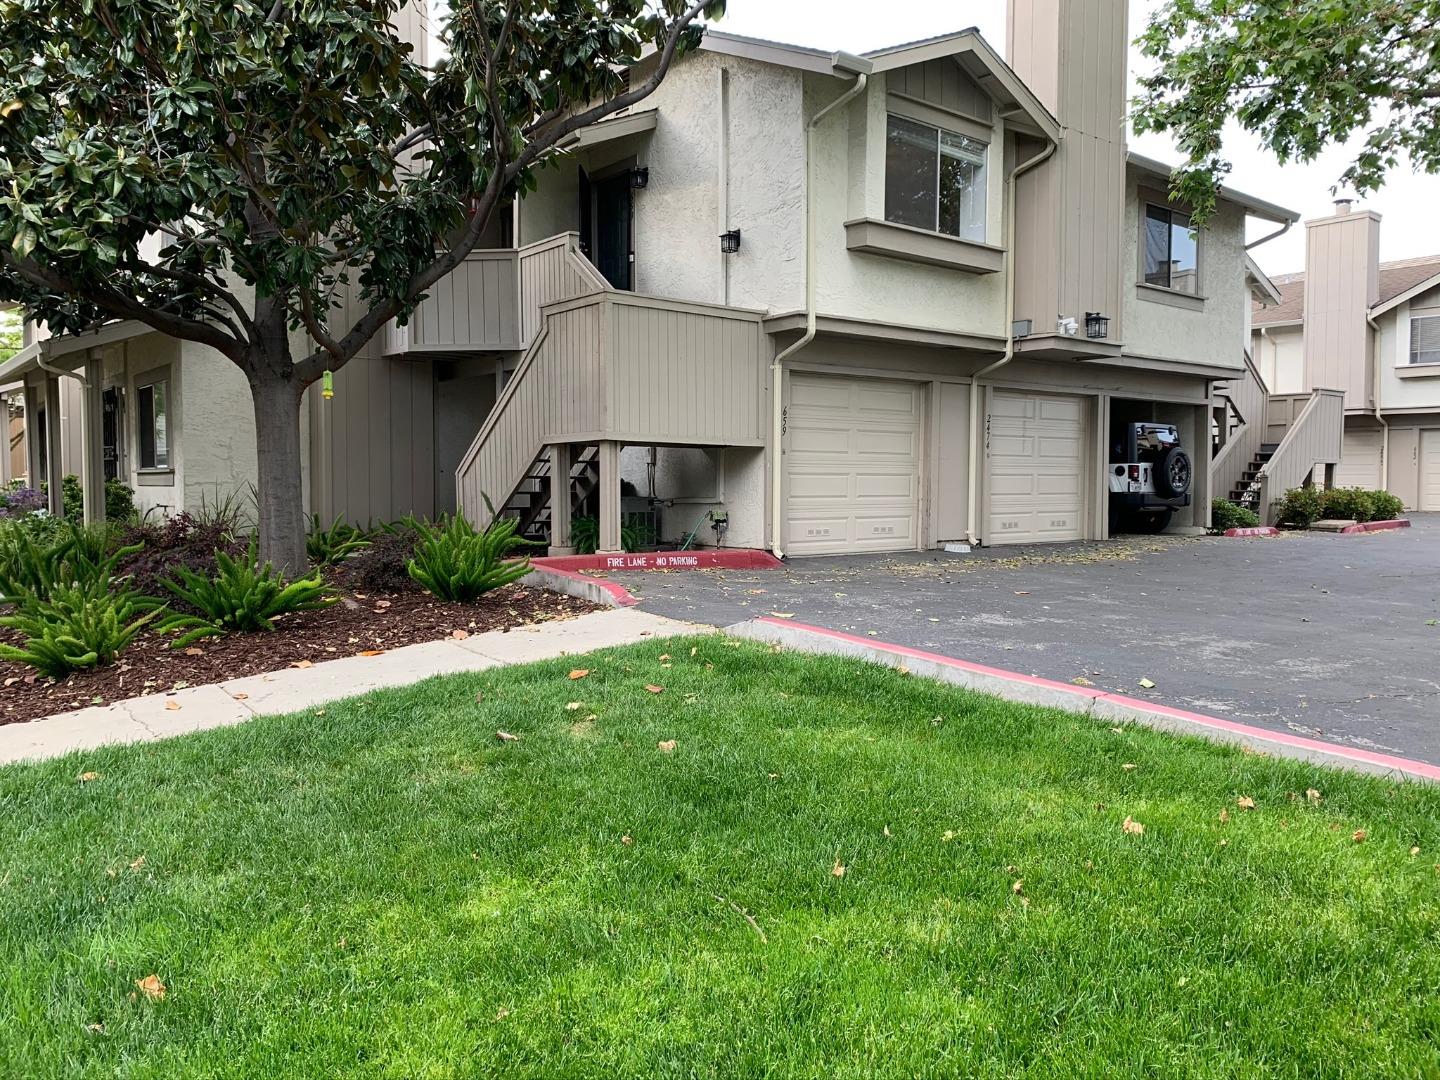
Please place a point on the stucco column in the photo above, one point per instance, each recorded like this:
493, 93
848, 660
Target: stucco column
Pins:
54, 468
92, 416
560, 463
1200, 469
608, 492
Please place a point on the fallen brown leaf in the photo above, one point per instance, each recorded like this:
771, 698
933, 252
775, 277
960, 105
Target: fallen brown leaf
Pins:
193, 651
371, 652
654, 689
572, 706
151, 987
302, 664
579, 673
459, 635
1359, 836
1415, 851
666, 747
1128, 767
1080, 680
783, 614
505, 736
627, 839
1312, 796
1017, 886
1245, 802
240, 695
1224, 816
86, 777
172, 705
1132, 827
838, 870
664, 656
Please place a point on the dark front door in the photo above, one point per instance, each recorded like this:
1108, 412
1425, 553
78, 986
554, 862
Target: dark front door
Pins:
612, 229
110, 432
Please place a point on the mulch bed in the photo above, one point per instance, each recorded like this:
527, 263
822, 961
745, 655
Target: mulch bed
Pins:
358, 622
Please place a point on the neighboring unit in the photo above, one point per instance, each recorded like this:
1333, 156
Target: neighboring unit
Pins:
1372, 331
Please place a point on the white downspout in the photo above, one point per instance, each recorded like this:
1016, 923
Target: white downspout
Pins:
861, 68
1384, 424
973, 492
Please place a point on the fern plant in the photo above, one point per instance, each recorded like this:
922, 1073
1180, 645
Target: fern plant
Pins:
239, 595
74, 628
31, 568
455, 561
329, 547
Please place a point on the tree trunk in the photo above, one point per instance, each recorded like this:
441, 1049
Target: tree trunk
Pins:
277, 446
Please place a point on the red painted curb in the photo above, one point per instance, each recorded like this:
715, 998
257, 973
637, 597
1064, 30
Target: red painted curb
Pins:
1376, 526
726, 558
1405, 765
619, 593
1254, 530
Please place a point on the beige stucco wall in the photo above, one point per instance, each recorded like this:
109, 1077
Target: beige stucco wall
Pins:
1279, 354
1396, 392
1212, 335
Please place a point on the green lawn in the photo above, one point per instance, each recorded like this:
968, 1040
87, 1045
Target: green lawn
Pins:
385, 888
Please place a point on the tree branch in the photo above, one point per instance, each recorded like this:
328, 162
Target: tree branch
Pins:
199, 281
120, 306
312, 324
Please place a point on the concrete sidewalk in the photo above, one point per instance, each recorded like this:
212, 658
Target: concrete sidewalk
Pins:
162, 716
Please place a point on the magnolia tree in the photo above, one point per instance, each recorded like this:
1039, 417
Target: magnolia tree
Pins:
1299, 75
282, 151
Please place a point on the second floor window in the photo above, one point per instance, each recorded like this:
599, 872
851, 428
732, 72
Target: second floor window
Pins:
934, 179
1425, 339
1170, 250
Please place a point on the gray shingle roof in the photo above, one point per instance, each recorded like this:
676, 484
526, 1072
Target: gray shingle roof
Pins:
1394, 278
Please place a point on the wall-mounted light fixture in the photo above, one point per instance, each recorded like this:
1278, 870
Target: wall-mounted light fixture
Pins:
730, 242
1096, 325
640, 178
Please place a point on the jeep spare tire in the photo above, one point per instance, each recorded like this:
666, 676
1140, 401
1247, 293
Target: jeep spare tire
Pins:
1175, 473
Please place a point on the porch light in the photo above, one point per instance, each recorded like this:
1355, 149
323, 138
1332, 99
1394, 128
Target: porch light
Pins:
640, 178
1096, 325
730, 242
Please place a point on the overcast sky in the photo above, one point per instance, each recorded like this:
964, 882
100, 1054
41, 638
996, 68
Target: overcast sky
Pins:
1408, 202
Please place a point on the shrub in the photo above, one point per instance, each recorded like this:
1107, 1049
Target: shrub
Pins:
635, 533
33, 566
119, 501
1348, 502
1225, 514
1387, 507
383, 565
74, 628
329, 547
1301, 507
17, 501
160, 549
239, 595
72, 497
455, 561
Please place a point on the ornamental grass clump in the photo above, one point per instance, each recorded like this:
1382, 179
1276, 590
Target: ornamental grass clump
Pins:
457, 562
74, 628
239, 595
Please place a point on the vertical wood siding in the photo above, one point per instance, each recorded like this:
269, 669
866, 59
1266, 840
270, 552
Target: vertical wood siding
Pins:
1313, 439
552, 270
622, 367
941, 83
475, 307
1248, 394
1281, 412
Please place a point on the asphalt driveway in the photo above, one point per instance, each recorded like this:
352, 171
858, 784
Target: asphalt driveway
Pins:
1332, 637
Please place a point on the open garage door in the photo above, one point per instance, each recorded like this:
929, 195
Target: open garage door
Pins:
852, 458
1036, 468
1359, 460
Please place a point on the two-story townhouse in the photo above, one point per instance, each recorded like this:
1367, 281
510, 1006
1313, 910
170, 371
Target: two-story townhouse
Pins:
801, 300
871, 303
1371, 330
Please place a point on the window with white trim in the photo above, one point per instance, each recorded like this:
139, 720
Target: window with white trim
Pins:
153, 400
934, 179
1170, 250
1425, 339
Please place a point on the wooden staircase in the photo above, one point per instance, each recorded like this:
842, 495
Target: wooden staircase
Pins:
530, 503
1247, 492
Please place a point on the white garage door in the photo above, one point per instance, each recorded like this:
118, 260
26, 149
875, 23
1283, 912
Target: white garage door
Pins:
1036, 468
1359, 460
852, 455
1430, 470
